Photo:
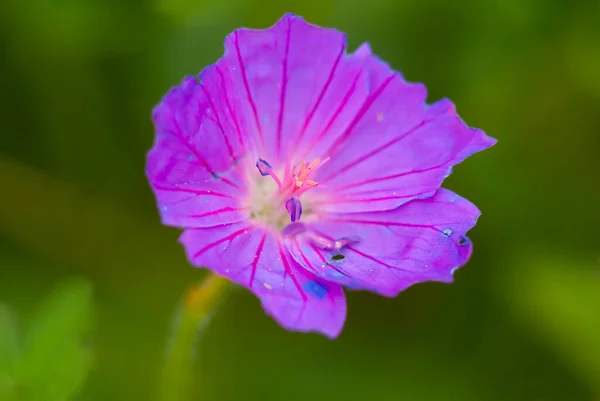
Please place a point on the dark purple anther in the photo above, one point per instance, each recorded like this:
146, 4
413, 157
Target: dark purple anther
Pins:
294, 208
263, 167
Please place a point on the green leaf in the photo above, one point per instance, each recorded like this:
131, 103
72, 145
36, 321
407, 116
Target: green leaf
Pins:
55, 358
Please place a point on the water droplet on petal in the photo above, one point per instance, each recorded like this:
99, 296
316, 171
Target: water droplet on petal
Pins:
267, 286
463, 240
447, 232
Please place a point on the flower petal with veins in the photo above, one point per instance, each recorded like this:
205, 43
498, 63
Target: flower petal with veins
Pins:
255, 258
296, 168
392, 250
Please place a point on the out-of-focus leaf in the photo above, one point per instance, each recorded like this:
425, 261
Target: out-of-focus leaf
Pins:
559, 299
55, 358
9, 353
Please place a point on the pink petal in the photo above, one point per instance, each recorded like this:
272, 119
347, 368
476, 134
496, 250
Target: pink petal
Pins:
298, 85
389, 251
396, 149
192, 166
253, 257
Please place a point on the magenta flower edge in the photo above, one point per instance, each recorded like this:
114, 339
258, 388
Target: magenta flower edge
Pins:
296, 168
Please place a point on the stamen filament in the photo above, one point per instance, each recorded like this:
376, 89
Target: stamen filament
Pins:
305, 169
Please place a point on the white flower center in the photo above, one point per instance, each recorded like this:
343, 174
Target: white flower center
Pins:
276, 202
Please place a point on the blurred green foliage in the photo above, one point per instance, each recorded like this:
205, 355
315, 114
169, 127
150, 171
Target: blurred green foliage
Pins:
79, 78
193, 315
50, 361
568, 320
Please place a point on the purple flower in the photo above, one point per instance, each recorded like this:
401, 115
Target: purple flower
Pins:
296, 168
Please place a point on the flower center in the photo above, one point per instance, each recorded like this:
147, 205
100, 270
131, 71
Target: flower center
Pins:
279, 201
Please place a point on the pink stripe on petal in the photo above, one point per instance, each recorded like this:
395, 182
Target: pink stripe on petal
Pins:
247, 86
312, 112
284, 83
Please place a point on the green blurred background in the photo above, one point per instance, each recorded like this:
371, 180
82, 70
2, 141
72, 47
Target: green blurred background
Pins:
89, 279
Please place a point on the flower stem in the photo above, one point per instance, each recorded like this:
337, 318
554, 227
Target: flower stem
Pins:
191, 316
